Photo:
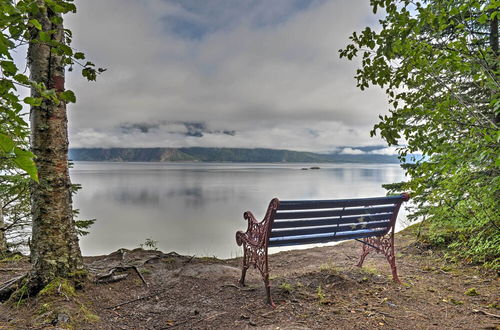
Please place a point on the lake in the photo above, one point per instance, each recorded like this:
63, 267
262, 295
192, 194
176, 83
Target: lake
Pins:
196, 208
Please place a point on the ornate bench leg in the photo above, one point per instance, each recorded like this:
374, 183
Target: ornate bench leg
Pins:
264, 271
365, 250
244, 268
391, 258
384, 245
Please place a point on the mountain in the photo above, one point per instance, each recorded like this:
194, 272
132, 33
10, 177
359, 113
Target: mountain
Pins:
199, 154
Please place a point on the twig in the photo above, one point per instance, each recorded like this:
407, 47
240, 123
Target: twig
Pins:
208, 318
350, 257
237, 287
140, 275
485, 313
7, 288
133, 300
252, 312
382, 313
10, 269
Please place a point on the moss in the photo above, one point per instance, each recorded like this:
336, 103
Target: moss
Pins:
81, 273
20, 295
88, 316
59, 286
286, 287
12, 258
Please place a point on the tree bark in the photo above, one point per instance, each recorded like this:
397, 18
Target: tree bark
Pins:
494, 49
54, 246
3, 240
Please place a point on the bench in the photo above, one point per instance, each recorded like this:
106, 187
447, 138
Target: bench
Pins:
370, 221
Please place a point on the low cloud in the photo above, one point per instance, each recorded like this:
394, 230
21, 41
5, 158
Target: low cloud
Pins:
221, 73
385, 151
351, 151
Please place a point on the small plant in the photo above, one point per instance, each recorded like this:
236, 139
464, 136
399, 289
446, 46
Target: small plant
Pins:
369, 270
145, 271
328, 267
471, 292
456, 302
321, 295
149, 244
286, 287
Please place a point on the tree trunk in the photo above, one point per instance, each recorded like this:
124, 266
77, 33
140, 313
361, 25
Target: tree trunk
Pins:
494, 49
55, 252
3, 240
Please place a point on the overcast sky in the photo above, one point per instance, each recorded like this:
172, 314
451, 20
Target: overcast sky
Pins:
221, 73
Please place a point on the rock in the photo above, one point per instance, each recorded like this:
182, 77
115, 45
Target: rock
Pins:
61, 318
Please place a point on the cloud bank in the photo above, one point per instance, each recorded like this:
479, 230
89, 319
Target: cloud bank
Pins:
221, 73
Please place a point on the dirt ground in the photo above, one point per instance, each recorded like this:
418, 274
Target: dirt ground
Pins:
318, 288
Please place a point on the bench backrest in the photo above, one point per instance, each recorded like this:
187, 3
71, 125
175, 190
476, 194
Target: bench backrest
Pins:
321, 221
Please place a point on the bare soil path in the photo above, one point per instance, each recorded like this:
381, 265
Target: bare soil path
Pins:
318, 288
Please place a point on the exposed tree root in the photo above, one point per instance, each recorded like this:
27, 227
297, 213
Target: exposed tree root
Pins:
485, 313
120, 261
10, 286
110, 277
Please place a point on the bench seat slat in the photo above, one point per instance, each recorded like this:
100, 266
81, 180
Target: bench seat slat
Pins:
323, 238
329, 221
333, 213
330, 204
331, 229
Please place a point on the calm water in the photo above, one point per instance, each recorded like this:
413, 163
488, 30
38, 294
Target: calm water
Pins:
196, 209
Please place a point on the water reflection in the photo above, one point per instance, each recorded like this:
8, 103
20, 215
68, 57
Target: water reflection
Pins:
196, 208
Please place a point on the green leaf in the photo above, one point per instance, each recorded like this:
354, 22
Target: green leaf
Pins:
34, 101
21, 78
44, 36
8, 68
79, 56
24, 159
90, 74
35, 23
6, 143
65, 49
68, 96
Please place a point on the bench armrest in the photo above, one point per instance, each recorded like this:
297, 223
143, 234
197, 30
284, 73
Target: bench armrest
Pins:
257, 232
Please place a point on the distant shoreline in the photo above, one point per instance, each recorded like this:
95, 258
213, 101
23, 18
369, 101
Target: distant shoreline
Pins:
223, 155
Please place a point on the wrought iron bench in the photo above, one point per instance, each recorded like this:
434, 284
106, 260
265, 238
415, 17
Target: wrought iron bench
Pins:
370, 221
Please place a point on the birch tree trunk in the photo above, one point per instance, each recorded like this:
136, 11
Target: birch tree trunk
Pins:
55, 252
3, 240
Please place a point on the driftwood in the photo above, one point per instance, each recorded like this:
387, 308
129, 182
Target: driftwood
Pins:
10, 286
109, 277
